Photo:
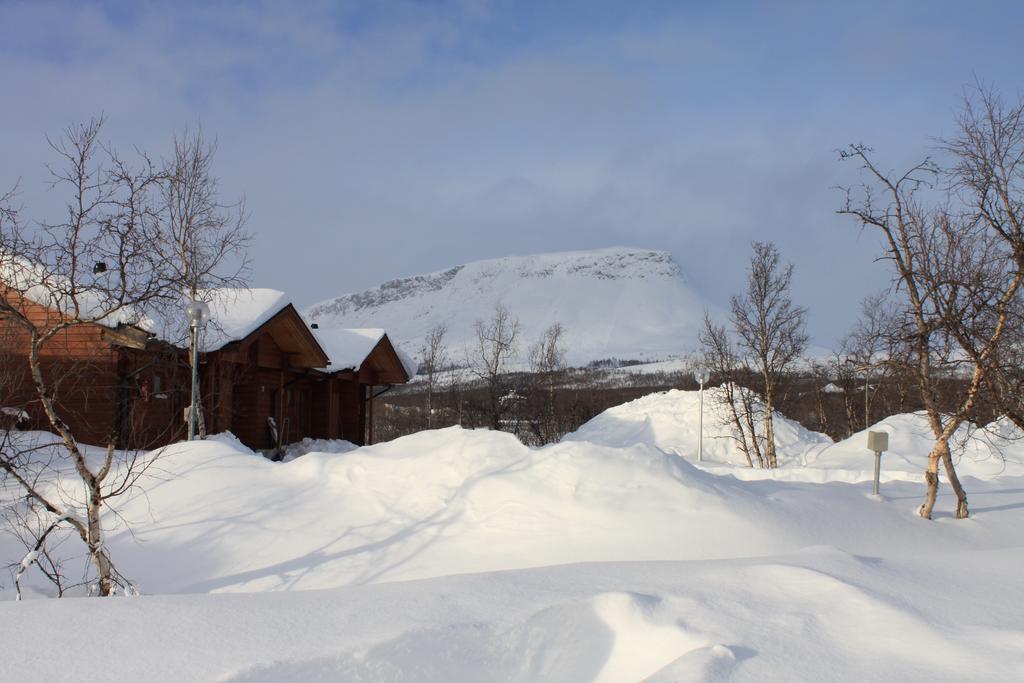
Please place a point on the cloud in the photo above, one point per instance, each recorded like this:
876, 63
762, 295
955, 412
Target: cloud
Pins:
378, 141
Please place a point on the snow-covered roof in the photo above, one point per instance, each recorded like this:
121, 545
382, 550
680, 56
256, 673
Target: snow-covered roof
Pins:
234, 312
40, 285
348, 348
237, 313
410, 365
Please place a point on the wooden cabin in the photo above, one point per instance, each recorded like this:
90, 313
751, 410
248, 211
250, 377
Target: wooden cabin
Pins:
361, 359
92, 370
265, 376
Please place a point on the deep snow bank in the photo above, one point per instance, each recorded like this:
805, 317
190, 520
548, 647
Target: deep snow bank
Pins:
686, 574
434, 503
452, 501
669, 421
983, 453
816, 615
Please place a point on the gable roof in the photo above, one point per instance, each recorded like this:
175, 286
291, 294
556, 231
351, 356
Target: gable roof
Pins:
357, 349
236, 313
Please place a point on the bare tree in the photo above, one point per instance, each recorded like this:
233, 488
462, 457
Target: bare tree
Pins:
547, 362
988, 176
720, 357
869, 351
959, 263
203, 240
97, 266
488, 359
434, 358
769, 329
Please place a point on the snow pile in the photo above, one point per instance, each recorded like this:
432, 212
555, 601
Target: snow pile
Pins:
229, 439
431, 504
612, 303
463, 555
670, 421
454, 501
816, 615
311, 445
996, 450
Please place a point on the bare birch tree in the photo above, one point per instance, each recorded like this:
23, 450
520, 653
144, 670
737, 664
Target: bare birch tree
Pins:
988, 177
769, 329
496, 345
719, 356
204, 240
959, 263
433, 358
547, 362
95, 266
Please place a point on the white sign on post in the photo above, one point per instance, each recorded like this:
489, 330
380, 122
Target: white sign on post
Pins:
878, 441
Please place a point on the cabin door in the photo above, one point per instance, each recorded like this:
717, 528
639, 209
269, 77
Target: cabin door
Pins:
296, 423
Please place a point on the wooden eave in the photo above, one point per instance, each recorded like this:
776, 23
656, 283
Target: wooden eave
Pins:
383, 365
129, 336
289, 332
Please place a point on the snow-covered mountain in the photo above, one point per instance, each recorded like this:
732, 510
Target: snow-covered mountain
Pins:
612, 303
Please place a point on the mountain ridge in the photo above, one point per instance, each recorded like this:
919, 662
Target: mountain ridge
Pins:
614, 302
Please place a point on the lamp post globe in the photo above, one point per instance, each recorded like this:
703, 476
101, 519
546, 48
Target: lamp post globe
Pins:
198, 312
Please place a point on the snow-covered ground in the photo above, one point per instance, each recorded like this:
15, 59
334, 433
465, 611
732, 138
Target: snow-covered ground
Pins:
462, 555
669, 420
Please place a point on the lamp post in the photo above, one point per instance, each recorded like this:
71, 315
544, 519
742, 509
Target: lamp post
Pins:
198, 314
702, 376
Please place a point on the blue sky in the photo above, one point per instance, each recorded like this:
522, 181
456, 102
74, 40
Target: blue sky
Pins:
376, 140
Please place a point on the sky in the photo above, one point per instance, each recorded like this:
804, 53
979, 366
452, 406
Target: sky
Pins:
379, 140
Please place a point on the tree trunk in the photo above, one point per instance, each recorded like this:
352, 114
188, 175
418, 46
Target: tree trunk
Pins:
495, 405
430, 401
954, 482
931, 478
769, 438
752, 428
769, 406
730, 395
97, 552
92, 534
769, 429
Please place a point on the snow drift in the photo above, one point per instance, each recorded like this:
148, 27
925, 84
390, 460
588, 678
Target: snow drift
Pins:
670, 421
463, 555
